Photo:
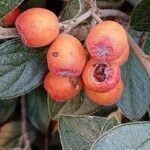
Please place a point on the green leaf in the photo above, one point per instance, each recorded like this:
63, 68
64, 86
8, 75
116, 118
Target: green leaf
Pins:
136, 97
21, 69
132, 136
8, 5
72, 9
79, 133
146, 47
38, 109
77, 106
9, 134
140, 19
6, 110
134, 2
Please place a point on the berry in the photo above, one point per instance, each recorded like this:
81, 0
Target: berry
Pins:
107, 98
11, 17
107, 41
101, 76
123, 58
62, 89
37, 27
66, 56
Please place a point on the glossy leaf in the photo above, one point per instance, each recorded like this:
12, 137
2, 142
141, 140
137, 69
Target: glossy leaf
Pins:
77, 106
73, 8
21, 69
38, 109
140, 19
6, 109
146, 47
125, 137
8, 5
136, 97
79, 133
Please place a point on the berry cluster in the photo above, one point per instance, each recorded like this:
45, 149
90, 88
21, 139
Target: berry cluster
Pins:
67, 60
108, 46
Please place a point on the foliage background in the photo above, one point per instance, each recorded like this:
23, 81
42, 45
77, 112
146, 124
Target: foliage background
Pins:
29, 117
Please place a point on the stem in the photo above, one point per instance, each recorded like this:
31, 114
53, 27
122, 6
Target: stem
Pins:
142, 39
46, 140
6, 33
24, 124
113, 13
70, 24
96, 17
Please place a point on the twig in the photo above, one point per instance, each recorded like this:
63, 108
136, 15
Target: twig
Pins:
93, 5
46, 140
24, 124
142, 39
70, 24
6, 33
96, 17
113, 13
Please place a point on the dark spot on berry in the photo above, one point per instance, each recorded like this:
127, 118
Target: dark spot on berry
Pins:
55, 54
74, 82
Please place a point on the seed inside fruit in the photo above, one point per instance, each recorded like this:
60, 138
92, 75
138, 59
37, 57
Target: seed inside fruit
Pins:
99, 72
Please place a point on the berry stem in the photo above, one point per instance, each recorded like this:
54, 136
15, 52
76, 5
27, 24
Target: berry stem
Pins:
24, 124
6, 33
70, 24
143, 38
113, 13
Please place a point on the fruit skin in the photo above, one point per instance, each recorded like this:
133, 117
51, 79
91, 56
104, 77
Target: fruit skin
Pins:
11, 17
37, 27
107, 41
123, 58
62, 89
101, 76
107, 98
66, 56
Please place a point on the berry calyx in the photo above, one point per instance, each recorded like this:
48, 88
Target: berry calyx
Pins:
101, 76
37, 27
66, 56
62, 89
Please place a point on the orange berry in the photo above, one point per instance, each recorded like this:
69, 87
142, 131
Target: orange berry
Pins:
107, 98
62, 89
66, 56
101, 76
123, 58
37, 27
11, 17
107, 41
